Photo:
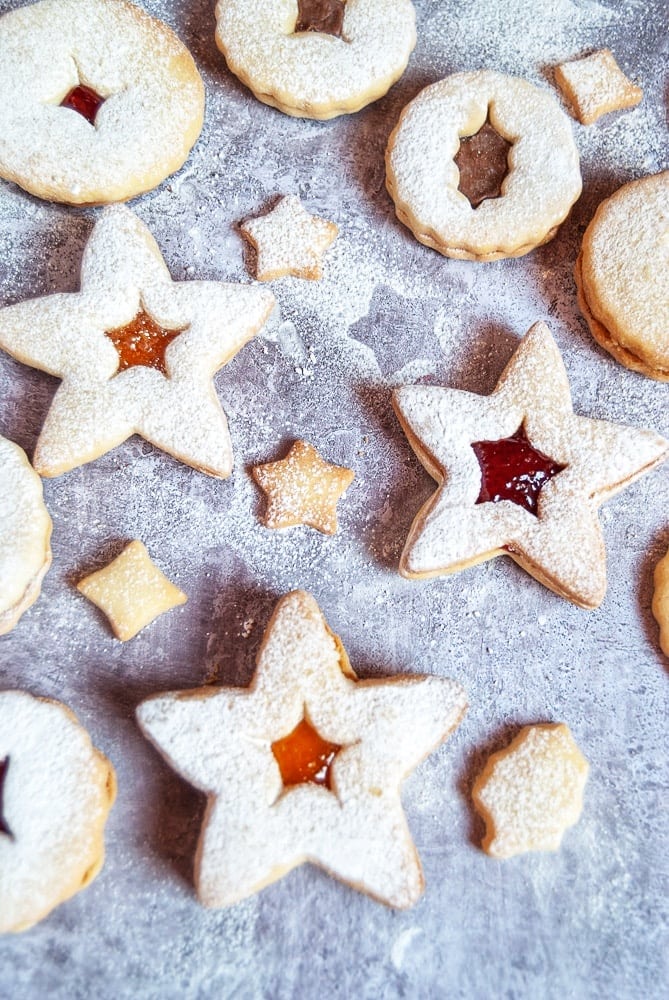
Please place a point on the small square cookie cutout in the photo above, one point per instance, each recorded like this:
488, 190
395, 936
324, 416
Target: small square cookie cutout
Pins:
131, 591
595, 85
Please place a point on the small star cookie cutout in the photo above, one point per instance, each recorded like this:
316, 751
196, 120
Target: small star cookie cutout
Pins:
288, 240
520, 474
266, 815
532, 791
131, 591
302, 488
136, 352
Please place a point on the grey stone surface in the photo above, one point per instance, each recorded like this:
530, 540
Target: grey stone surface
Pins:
589, 921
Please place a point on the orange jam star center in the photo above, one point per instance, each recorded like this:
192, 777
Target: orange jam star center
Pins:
512, 469
304, 756
326, 16
85, 101
142, 342
483, 162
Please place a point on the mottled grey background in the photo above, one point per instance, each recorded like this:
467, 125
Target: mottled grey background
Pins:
589, 921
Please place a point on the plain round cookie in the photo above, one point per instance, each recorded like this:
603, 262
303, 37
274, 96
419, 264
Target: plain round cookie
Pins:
311, 74
150, 119
622, 276
57, 791
543, 182
25, 531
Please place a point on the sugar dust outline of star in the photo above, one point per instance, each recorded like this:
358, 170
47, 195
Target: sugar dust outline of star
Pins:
97, 407
562, 545
289, 241
256, 830
302, 488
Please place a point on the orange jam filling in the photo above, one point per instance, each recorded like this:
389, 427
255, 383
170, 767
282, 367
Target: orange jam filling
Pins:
483, 164
512, 469
85, 101
4, 826
326, 16
304, 756
142, 342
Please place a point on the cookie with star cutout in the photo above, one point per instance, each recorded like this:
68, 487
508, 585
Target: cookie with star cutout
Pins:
519, 474
136, 352
25, 533
483, 166
306, 764
105, 100
316, 58
56, 791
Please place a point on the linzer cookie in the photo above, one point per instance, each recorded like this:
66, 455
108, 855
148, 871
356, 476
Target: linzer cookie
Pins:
316, 58
520, 474
532, 791
100, 101
56, 791
25, 531
661, 601
304, 765
136, 352
622, 276
483, 166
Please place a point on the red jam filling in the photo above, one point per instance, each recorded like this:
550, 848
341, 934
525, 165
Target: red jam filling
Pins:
142, 342
304, 756
326, 16
511, 469
4, 827
85, 101
483, 164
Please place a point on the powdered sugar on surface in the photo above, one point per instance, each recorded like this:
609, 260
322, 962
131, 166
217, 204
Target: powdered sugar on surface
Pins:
387, 312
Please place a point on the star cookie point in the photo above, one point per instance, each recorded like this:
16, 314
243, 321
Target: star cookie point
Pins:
136, 352
131, 591
574, 464
302, 489
281, 792
289, 241
532, 791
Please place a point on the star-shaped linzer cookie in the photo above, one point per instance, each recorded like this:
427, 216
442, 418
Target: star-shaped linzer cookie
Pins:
520, 474
302, 488
136, 352
304, 765
289, 241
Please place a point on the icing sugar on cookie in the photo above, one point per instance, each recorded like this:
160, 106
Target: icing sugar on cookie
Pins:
25, 531
288, 240
56, 791
520, 474
304, 765
136, 352
105, 101
316, 60
537, 191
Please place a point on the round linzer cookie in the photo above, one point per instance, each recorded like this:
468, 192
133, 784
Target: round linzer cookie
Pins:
483, 166
25, 532
100, 101
622, 276
316, 58
56, 791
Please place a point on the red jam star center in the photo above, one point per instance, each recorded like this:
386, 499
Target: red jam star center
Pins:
142, 342
85, 101
511, 469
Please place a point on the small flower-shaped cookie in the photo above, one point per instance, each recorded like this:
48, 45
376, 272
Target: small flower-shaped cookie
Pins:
304, 765
532, 791
136, 352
